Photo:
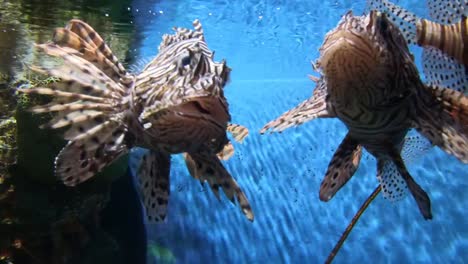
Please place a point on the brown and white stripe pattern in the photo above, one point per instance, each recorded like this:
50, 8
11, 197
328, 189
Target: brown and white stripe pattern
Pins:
446, 31
184, 69
451, 39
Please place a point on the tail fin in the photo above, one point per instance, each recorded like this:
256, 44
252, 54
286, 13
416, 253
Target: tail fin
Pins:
90, 98
442, 117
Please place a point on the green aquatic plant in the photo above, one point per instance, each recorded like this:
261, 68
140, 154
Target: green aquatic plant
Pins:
161, 254
34, 206
7, 142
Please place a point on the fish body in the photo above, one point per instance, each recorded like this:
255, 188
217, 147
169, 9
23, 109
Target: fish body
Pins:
174, 105
369, 81
353, 64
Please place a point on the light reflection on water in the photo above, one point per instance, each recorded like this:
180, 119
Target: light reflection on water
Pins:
23, 23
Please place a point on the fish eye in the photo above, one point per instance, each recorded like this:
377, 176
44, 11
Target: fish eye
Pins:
186, 61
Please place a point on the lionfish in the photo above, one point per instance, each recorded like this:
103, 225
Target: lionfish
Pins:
370, 82
176, 104
444, 38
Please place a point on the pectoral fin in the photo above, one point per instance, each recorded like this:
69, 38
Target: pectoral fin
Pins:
315, 107
421, 197
442, 117
153, 175
227, 152
341, 168
207, 167
238, 132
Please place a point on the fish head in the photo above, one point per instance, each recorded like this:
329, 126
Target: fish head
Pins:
184, 69
184, 87
187, 60
363, 53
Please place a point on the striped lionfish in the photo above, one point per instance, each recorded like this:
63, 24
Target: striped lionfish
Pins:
175, 105
370, 82
444, 38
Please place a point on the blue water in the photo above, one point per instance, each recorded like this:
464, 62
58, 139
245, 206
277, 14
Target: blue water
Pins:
269, 45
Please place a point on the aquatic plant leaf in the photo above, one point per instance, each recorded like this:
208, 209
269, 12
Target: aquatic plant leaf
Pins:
163, 254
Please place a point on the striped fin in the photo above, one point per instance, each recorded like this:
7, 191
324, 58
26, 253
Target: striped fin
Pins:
90, 36
441, 70
81, 159
207, 167
75, 68
67, 38
227, 152
451, 39
341, 168
419, 195
238, 132
70, 107
393, 185
405, 20
86, 101
310, 109
63, 119
442, 117
183, 34
153, 176
62, 95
